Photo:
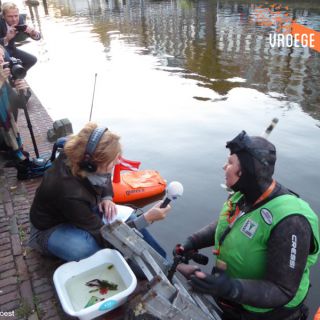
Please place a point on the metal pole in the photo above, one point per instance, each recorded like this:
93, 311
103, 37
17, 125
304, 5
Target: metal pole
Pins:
45, 6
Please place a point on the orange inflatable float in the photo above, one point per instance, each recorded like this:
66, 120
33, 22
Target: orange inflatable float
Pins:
134, 185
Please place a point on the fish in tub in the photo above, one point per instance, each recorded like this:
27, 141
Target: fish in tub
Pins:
95, 285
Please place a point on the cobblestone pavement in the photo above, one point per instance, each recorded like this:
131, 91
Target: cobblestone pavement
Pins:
26, 288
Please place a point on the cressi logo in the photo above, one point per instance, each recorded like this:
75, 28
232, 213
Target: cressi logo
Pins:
287, 32
293, 252
128, 192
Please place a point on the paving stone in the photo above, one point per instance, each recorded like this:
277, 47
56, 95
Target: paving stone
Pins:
41, 282
4, 229
16, 245
2, 213
4, 220
44, 296
7, 281
8, 209
12, 296
35, 267
48, 308
32, 261
6, 266
40, 273
4, 235
8, 273
6, 260
42, 288
34, 316
5, 253
10, 306
22, 268
32, 254
54, 318
5, 195
7, 289
5, 246
13, 225
4, 241
26, 292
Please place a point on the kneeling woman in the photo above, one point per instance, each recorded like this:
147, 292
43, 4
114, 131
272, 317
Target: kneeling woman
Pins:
63, 216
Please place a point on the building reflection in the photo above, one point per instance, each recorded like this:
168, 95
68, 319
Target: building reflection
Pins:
212, 41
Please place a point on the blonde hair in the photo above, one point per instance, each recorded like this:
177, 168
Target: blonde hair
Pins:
8, 6
106, 151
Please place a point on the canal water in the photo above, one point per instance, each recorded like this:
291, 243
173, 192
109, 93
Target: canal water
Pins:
177, 79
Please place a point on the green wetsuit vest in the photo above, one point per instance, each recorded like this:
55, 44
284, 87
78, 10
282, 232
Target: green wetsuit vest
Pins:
244, 248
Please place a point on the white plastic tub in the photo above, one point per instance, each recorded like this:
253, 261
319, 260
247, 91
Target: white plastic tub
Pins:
70, 278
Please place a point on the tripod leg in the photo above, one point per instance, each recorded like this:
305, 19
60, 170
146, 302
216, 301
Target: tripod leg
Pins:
29, 125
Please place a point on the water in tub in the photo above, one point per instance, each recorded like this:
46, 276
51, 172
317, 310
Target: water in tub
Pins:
79, 293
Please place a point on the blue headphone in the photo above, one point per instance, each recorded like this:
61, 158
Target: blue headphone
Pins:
86, 163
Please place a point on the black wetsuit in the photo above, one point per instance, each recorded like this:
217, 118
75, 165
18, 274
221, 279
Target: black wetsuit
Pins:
280, 284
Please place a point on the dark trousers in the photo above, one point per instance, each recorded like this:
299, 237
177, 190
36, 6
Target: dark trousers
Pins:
28, 60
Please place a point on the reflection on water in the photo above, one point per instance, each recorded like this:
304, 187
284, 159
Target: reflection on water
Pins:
179, 78
212, 41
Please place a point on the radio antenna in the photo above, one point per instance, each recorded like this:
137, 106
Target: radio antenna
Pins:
94, 90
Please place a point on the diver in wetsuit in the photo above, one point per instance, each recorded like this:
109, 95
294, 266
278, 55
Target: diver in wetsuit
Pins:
266, 236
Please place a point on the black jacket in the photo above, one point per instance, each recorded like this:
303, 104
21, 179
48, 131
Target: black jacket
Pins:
64, 198
20, 36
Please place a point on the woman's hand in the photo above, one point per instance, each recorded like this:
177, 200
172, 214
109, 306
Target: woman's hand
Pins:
109, 209
156, 213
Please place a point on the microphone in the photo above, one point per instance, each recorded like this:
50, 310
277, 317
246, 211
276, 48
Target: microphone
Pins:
174, 191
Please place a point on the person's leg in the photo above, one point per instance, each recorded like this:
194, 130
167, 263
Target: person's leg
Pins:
149, 238
70, 243
153, 242
28, 60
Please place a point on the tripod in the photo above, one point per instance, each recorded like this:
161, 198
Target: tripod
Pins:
37, 166
26, 113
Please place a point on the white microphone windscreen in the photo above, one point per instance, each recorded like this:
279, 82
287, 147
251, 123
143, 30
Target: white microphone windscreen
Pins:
174, 190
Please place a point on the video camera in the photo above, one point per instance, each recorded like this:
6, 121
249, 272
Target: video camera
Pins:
16, 68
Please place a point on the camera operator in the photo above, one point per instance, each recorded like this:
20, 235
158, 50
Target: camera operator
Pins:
11, 98
12, 29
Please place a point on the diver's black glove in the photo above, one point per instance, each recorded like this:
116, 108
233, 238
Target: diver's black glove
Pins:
185, 248
218, 284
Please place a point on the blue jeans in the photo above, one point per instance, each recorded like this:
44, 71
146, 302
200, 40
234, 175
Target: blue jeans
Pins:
70, 243
150, 239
